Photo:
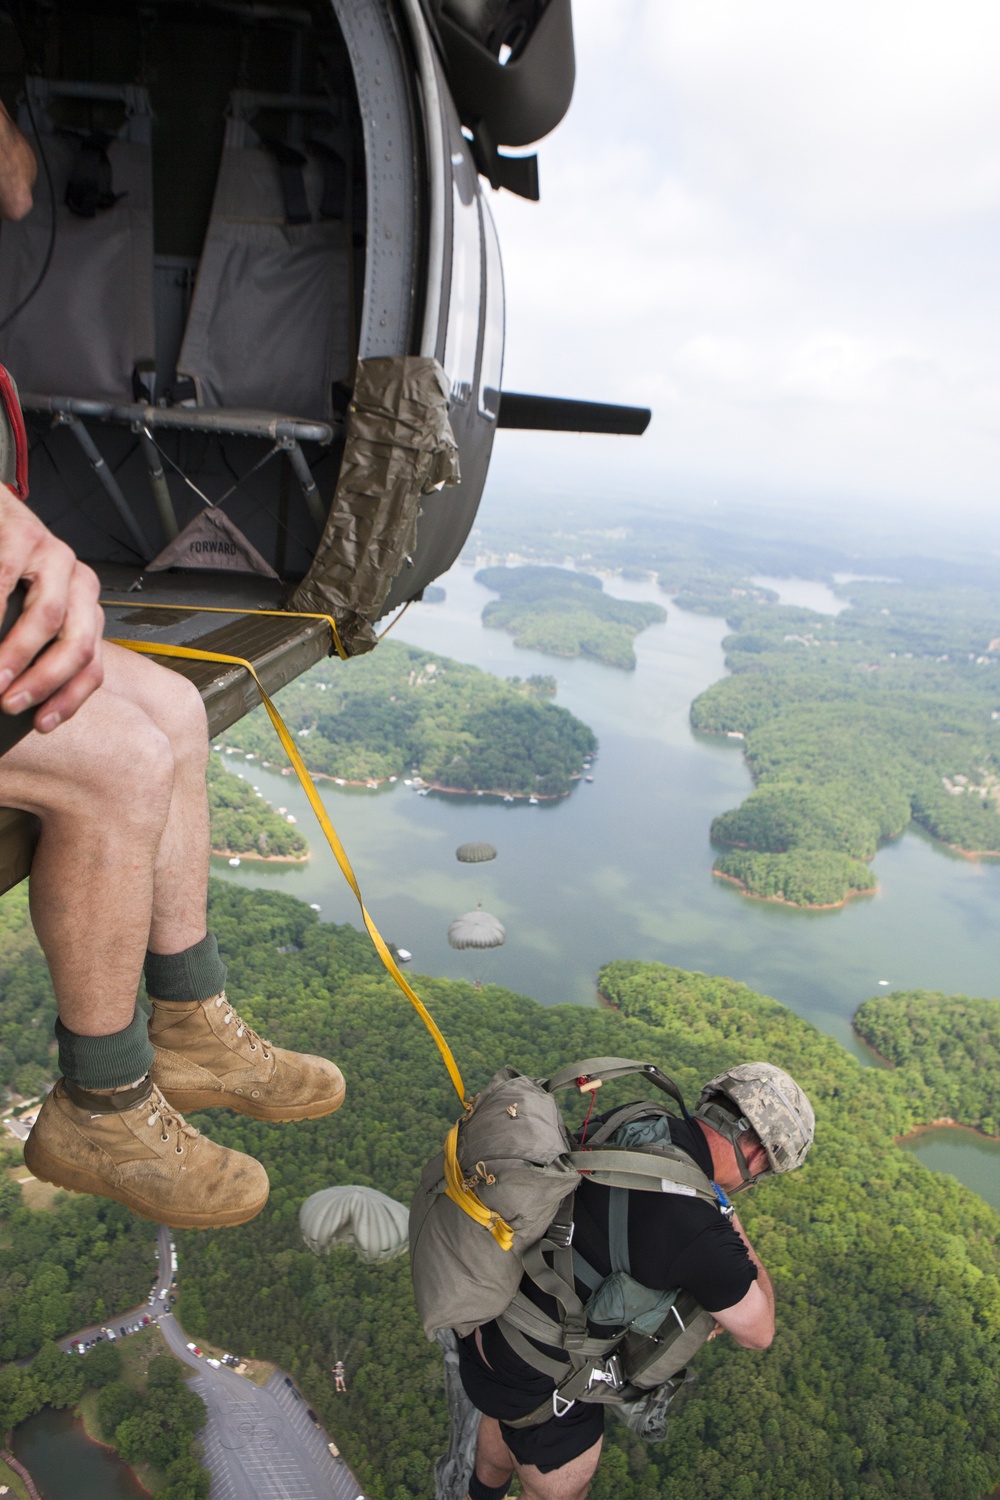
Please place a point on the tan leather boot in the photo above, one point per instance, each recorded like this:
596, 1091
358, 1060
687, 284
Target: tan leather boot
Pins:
205, 1056
132, 1146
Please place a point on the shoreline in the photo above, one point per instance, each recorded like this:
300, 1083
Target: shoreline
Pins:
264, 859
428, 786
796, 905
944, 1122
80, 1415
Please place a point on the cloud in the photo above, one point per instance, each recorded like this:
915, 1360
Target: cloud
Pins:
776, 223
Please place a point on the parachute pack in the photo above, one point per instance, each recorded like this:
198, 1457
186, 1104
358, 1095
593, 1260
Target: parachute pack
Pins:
498, 1200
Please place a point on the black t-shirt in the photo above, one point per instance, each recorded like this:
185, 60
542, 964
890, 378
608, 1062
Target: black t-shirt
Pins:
673, 1241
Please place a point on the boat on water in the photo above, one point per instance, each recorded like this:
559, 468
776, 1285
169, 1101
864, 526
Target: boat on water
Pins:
588, 778
404, 955
508, 798
532, 801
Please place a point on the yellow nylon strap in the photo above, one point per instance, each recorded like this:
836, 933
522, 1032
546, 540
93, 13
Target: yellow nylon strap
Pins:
217, 609
190, 653
467, 1199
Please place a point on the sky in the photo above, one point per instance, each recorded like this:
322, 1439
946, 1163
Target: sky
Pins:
776, 224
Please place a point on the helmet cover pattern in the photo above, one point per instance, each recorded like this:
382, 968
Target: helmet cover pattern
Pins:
772, 1102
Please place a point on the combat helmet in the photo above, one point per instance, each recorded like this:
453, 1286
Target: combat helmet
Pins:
758, 1096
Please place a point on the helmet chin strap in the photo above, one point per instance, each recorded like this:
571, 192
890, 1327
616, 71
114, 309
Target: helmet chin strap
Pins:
731, 1124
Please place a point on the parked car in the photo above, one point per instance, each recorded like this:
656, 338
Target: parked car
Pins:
192, 1348
123, 1330
215, 1363
312, 1415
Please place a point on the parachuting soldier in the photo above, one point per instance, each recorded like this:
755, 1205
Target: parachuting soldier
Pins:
749, 1122
115, 775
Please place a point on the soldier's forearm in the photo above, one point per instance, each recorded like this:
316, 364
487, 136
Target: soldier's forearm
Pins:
763, 1279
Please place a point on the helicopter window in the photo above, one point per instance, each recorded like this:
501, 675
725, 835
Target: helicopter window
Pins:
492, 361
463, 305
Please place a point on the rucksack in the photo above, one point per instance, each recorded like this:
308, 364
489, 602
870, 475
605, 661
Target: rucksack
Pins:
499, 1199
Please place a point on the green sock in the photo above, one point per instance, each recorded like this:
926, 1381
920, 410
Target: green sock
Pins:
196, 974
105, 1062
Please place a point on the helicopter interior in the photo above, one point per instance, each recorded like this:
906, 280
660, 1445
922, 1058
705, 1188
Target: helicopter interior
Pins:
179, 307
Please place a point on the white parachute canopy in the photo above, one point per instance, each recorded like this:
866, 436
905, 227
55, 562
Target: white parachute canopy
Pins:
477, 929
359, 1218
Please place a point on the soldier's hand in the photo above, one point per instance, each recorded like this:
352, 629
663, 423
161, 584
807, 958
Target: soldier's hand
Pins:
60, 624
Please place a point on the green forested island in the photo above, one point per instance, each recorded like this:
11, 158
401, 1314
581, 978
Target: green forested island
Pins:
852, 726
244, 823
882, 1379
951, 1042
401, 711
566, 614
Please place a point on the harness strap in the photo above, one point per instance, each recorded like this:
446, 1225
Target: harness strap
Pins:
584, 1271
668, 1170
607, 1068
618, 1230
549, 1280
523, 1314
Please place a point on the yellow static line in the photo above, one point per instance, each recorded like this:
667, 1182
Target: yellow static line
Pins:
217, 609
191, 653
464, 1196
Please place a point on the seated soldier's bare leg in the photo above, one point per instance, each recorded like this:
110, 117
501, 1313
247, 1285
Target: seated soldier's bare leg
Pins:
495, 1464
204, 1054
174, 706
101, 786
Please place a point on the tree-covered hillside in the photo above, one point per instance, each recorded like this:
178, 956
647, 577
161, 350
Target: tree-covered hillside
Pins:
244, 823
853, 725
884, 1373
951, 1042
566, 614
27, 1004
402, 709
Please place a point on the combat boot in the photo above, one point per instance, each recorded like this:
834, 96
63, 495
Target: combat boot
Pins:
131, 1145
205, 1055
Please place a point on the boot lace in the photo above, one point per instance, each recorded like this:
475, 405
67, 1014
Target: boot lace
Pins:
242, 1029
161, 1113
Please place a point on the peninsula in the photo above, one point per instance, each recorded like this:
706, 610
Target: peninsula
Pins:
566, 614
244, 824
951, 1042
402, 712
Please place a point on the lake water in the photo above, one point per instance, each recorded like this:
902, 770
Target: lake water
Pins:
66, 1465
622, 867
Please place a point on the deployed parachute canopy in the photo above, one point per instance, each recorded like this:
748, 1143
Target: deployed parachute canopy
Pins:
477, 929
360, 1218
475, 853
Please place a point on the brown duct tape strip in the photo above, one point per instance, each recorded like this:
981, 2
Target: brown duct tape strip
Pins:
398, 446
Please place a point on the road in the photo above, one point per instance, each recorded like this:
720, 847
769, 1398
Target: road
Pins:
260, 1444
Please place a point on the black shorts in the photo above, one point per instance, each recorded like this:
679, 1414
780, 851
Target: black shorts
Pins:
551, 1444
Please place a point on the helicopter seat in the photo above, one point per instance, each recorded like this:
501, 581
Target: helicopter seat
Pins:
88, 326
268, 327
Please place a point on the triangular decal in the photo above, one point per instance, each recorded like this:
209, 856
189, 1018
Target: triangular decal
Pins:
211, 541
